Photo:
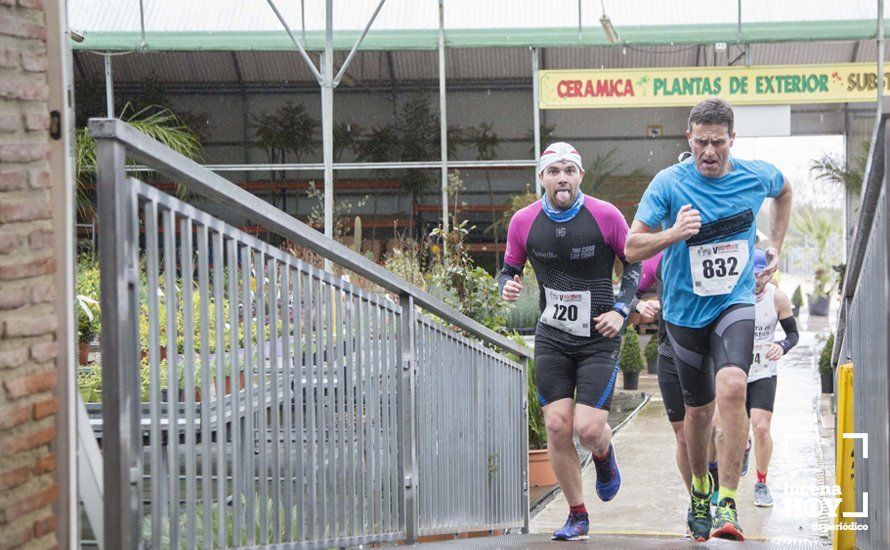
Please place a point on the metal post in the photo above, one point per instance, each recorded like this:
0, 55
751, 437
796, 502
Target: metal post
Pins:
443, 118
407, 410
109, 88
880, 76
327, 118
121, 446
141, 25
537, 116
524, 439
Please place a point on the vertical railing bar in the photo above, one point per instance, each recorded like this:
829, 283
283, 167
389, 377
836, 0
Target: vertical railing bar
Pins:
234, 349
425, 381
523, 443
188, 329
150, 215
375, 420
274, 411
337, 463
320, 502
172, 376
385, 373
438, 379
119, 311
204, 312
342, 425
481, 431
219, 321
352, 513
249, 435
407, 411
396, 427
299, 401
311, 423
361, 422
262, 397
330, 429
287, 431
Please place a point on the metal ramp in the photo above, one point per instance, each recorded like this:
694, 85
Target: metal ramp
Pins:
617, 541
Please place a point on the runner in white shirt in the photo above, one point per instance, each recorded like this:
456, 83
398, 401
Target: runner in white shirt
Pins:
772, 306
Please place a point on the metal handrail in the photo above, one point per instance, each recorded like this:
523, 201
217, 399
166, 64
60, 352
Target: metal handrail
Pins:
872, 184
202, 181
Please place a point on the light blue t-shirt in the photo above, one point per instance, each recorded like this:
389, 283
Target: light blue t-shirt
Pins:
728, 207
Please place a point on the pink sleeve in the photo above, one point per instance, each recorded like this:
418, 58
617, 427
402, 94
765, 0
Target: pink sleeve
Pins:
517, 234
650, 266
611, 223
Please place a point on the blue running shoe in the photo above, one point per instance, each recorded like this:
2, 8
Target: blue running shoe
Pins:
608, 478
576, 528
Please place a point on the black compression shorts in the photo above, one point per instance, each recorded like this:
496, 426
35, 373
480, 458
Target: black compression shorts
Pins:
671, 392
585, 373
728, 340
761, 394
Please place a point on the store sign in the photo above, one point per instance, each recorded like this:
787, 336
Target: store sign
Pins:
686, 86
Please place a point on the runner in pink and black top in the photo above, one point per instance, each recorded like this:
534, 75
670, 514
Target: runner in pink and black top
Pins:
572, 241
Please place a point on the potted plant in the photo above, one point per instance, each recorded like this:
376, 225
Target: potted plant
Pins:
630, 361
540, 472
819, 299
826, 373
88, 319
89, 384
797, 300
651, 353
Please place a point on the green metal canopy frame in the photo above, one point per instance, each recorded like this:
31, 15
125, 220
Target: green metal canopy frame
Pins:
428, 39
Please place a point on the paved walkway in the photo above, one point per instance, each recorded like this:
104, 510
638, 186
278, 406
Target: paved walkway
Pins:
652, 502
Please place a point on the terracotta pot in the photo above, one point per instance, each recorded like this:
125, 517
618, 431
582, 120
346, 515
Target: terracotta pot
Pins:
540, 473
197, 395
229, 383
83, 353
631, 380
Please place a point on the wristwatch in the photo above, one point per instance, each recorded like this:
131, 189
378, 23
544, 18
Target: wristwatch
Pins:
622, 308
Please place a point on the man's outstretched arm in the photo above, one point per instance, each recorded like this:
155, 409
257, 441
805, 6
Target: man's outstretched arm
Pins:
780, 213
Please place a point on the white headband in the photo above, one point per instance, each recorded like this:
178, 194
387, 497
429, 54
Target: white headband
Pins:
558, 152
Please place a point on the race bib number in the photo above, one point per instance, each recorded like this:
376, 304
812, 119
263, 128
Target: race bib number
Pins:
716, 267
761, 367
569, 311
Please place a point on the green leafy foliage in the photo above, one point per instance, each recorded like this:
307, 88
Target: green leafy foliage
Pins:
631, 358
825, 355
290, 129
469, 288
797, 297
87, 285
157, 122
651, 350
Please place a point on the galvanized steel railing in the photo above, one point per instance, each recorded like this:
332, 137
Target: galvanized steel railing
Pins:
278, 404
862, 337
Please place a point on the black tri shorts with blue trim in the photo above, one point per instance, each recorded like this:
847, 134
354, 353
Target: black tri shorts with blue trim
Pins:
727, 340
586, 372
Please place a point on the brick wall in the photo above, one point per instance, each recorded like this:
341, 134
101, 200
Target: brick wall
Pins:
28, 322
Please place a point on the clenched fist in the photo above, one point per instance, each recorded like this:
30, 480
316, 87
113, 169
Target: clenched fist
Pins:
512, 289
688, 223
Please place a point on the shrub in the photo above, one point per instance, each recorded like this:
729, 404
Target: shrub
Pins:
825, 355
631, 358
797, 297
651, 350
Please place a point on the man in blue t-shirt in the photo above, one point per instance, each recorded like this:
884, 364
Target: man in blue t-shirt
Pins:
706, 208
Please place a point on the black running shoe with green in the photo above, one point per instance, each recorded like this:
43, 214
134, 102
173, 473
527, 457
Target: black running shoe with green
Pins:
726, 521
700, 520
